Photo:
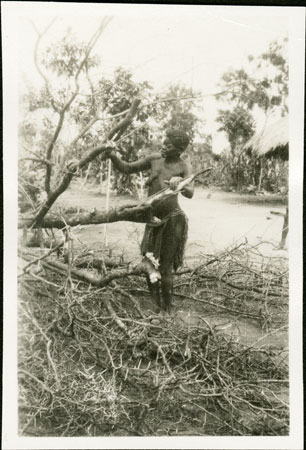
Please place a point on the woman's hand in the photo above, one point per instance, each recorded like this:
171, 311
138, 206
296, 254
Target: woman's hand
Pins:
174, 182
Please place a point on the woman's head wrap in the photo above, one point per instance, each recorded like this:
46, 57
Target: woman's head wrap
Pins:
178, 138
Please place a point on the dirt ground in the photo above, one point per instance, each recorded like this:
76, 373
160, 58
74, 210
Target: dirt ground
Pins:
217, 220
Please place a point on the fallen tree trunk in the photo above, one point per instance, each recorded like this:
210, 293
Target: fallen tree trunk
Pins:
129, 213
141, 212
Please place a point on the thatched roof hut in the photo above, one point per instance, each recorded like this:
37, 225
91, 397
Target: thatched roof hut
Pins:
273, 140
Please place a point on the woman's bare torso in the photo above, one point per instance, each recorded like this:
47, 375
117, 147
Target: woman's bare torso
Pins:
162, 171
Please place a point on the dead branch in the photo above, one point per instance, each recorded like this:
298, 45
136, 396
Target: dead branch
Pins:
119, 369
28, 374
85, 275
114, 316
48, 343
97, 263
40, 258
121, 291
140, 214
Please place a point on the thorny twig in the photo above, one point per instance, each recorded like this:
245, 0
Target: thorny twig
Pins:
113, 377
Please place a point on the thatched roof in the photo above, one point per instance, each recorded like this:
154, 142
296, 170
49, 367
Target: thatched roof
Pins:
272, 139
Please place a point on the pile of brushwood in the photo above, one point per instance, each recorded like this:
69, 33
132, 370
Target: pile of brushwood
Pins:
96, 359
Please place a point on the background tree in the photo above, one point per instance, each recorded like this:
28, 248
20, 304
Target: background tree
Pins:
263, 83
180, 111
201, 157
261, 86
114, 95
238, 126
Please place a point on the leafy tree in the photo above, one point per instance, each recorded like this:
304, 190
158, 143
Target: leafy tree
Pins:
277, 57
238, 125
88, 116
180, 111
264, 82
63, 57
113, 96
202, 156
46, 120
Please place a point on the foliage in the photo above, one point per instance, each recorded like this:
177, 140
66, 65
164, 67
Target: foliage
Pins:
63, 57
277, 56
180, 111
201, 156
113, 96
238, 125
275, 175
243, 172
238, 171
263, 84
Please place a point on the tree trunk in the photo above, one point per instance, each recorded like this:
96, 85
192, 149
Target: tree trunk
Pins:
141, 212
260, 175
129, 213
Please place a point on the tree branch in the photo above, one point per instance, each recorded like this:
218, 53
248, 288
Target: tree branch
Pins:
86, 275
42, 161
39, 70
67, 105
90, 156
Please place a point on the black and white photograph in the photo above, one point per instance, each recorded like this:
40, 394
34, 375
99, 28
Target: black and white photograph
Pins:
153, 170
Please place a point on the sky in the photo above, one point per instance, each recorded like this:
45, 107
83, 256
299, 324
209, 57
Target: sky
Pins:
162, 44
